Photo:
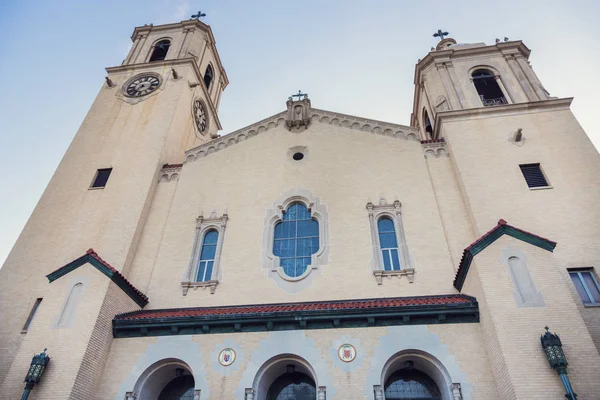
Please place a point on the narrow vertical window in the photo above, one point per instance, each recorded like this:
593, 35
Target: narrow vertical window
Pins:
389, 244
207, 256
160, 50
31, 315
296, 239
488, 89
533, 175
208, 77
68, 311
101, 177
587, 286
427, 123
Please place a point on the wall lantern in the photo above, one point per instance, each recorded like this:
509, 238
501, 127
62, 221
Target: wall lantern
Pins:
557, 359
36, 370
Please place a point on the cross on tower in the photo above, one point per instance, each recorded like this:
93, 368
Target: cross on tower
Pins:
199, 15
300, 95
440, 34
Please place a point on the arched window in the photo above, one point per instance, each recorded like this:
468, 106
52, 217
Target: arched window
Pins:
296, 239
207, 256
488, 89
427, 123
292, 386
68, 311
411, 384
160, 50
180, 388
388, 242
208, 76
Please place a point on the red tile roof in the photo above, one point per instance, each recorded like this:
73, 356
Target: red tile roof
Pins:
258, 309
488, 238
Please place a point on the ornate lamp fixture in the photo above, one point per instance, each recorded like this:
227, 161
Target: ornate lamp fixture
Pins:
557, 359
36, 370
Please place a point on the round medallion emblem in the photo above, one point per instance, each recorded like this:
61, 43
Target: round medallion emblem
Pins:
226, 357
347, 353
141, 85
200, 116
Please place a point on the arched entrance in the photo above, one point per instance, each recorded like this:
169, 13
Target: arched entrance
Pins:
411, 384
285, 377
168, 379
415, 375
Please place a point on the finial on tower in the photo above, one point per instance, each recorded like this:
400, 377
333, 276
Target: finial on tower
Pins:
198, 15
440, 34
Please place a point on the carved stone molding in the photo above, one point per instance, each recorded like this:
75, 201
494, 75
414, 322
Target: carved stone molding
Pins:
456, 391
170, 172
408, 272
249, 394
316, 115
130, 396
321, 393
378, 392
298, 114
197, 394
434, 148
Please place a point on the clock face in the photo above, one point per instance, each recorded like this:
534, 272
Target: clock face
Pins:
200, 116
142, 86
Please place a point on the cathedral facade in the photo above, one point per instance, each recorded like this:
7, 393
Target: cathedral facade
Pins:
312, 254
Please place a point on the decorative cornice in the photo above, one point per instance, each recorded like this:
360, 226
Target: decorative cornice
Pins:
421, 310
490, 237
170, 172
435, 148
316, 115
95, 260
494, 111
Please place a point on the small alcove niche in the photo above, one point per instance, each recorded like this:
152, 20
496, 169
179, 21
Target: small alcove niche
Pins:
160, 50
297, 118
67, 314
524, 289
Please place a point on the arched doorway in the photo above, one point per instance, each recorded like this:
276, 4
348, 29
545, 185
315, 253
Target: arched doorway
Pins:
292, 386
411, 384
415, 375
285, 377
168, 379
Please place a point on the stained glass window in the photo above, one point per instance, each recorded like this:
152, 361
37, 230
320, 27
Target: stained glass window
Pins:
296, 239
389, 244
292, 386
411, 384
180, 388
207, 256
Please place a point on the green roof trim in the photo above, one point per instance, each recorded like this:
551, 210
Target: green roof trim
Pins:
92, 258
483, 242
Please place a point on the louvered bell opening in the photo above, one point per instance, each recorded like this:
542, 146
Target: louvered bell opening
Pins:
533, 175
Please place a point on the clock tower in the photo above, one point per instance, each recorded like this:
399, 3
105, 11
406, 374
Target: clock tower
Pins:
162, 100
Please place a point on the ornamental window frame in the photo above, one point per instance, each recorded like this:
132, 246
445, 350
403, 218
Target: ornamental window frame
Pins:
393, 212
271, 263
203, 226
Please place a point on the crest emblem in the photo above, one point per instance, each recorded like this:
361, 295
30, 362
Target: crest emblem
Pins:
347, 353
226, 357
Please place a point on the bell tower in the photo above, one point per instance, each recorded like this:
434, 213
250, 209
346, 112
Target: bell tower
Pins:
456, 76
162, 100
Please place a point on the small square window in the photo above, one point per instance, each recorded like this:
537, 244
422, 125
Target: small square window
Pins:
533, 175
587, 286
101, 178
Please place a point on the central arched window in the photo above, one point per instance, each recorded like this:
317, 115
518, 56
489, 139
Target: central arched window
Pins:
208, 77
207, 256
160, 50
427, 122
411, 384
180, 388
487, 87
296, 239
292, 386
388, 242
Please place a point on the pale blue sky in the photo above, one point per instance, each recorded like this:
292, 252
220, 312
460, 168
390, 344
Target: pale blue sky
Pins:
354, 57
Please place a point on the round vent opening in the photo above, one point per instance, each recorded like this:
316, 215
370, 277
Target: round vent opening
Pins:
298, 156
